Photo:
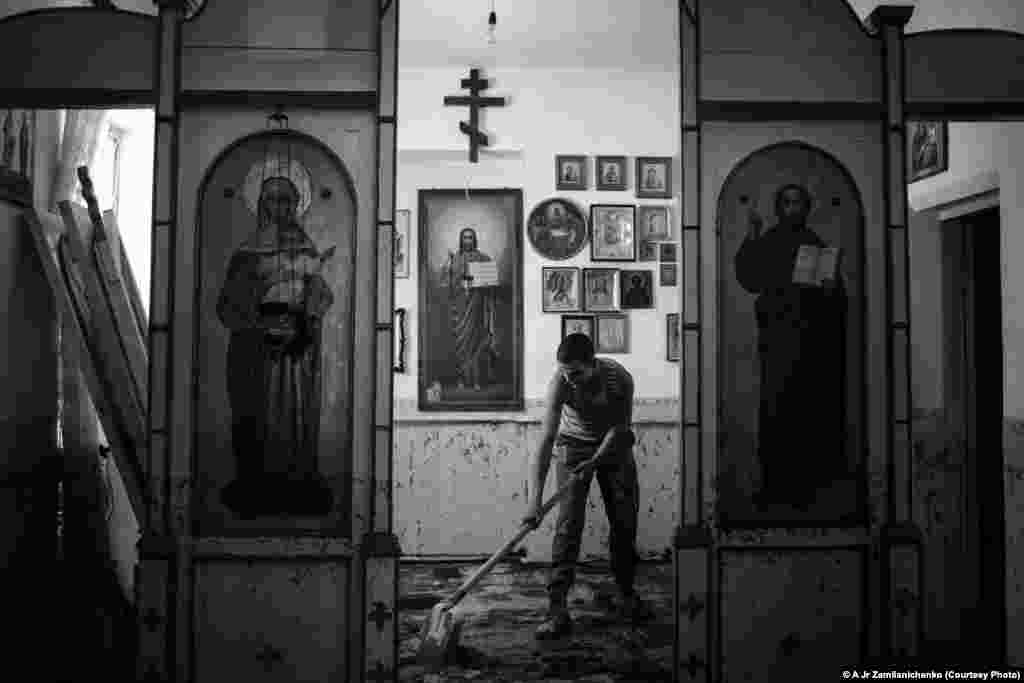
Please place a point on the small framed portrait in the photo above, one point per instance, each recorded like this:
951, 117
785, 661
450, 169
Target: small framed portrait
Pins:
611, 331
557, 229
929, 144
668, 252
600, 289
647, 251
653, 223
669, 274
636, 289
611, 173
583, 324
400, 249
612, 237
672, 337
570, 172
654, 177
561, 291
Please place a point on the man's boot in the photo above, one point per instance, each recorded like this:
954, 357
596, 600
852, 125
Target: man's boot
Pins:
635, 610
557, 625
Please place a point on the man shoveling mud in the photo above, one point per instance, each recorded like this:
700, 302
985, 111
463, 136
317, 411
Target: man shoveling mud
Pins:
589, 415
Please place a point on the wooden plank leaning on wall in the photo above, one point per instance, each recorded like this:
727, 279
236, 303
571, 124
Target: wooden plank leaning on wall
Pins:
106, 333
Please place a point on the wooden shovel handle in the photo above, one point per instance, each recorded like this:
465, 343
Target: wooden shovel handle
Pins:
509, 546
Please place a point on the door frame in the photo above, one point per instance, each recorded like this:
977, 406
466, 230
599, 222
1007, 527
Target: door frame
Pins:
974, 363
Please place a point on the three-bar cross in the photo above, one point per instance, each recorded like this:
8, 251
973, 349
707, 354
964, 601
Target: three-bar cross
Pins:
474, 101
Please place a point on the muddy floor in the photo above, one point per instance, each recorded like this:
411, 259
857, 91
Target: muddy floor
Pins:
500, 615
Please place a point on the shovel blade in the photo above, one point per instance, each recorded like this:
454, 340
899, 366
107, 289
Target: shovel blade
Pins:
439, 637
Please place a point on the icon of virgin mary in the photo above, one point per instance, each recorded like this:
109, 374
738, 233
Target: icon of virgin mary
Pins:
273, 301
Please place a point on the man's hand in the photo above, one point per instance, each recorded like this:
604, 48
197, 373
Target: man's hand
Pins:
532, 516
584, 468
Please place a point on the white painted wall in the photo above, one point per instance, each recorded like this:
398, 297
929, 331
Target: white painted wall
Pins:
135, 191
135, 208
941, 14
983, 156
973, 168
1011, 202
1011, 199
590, 112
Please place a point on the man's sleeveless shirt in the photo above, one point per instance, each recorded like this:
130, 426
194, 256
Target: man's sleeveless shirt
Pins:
587, 416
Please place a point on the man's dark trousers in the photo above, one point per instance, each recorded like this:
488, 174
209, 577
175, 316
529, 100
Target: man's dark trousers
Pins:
617, 479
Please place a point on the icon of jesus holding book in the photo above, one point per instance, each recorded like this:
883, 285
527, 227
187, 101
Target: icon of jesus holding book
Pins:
801, 323
470, 277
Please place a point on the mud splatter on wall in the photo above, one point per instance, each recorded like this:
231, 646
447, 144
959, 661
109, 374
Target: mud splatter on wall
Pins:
460, 488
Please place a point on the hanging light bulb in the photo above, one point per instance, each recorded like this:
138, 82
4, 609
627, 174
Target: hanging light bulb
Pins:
492, 24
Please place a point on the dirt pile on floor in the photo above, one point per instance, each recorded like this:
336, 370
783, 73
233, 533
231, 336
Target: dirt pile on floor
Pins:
499, 618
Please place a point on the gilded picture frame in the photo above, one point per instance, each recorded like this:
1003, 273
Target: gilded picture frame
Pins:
654, 177
560, 292
612, 232
928, 149
570, 172
611, 333
610, 172
600, 289
578, 323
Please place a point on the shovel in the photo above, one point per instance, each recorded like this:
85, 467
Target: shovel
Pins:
440, 635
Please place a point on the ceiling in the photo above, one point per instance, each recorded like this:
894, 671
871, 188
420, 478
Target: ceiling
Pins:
638, 34
613, 34
608, 34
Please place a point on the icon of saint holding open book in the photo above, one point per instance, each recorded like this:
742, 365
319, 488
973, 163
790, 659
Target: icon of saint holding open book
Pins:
471, 277
801, 323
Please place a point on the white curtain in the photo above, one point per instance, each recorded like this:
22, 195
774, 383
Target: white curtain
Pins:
78, 144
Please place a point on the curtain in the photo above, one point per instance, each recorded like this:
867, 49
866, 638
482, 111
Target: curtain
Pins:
78, 144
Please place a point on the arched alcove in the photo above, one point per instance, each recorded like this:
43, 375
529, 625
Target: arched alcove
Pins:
273, 391
791, 356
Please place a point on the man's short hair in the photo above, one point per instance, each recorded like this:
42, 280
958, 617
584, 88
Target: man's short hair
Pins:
576, 347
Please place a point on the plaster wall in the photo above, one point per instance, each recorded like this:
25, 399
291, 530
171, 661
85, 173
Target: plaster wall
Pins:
982, 164
548, 113
460, 478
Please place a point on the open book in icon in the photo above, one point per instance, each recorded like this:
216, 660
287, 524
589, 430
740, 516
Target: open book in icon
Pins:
482, 274
815, 266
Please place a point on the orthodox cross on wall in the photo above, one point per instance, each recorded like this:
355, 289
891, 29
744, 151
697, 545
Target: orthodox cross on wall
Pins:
474, 101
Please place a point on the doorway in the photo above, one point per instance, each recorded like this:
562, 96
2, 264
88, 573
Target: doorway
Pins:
967, 621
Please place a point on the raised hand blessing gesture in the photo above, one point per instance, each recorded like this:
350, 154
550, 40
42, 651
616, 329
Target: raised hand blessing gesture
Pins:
755, 223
